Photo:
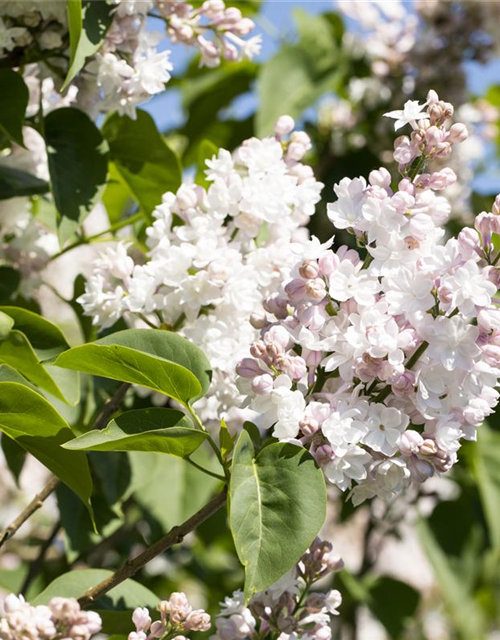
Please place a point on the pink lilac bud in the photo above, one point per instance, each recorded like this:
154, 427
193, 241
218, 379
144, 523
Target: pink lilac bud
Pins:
443, 461
458, 133
403, 150
493, 275
491, 355
277, 334
421, 470
496, 206
213, 6
263, 385
296, 151
323, 633
403, 383
286, 624
328, 263
258, 349
179, 607
294, 366
296, 290
244, 26
380, 178
309, 426
486, 224
432, 96
276, 305
313, 317
284, 125
94, 622
324, 454
428, 448
468, 242
198, 620
315, 602
258, 320
410, 442
248, 368
157, 629
309, 269
316, 289
442, 179
332, 561
141, 619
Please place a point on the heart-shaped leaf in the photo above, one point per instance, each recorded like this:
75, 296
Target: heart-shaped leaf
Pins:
155, 429
277, 507
156, 359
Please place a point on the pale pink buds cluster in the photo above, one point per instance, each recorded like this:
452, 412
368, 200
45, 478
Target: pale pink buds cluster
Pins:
61, 618
177, 617
288, 609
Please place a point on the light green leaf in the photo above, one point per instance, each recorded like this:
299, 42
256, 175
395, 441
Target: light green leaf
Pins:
15, 183
464, 611
13, 105
45, 337
226, 443
116, 197
78, 165
142, 158
88, 24
115, 608
277, 507
486, 464
27, 418
6, 324
155, 429
316, 39
159, 360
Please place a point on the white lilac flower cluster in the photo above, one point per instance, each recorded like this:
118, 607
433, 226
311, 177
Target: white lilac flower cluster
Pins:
62, 618
288, 610
131, 65
381, 366
215, 253
177, 617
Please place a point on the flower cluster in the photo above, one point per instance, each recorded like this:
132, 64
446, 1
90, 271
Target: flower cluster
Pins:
131, 65
288, 610
381, 366
215, 253
177, 617
61, 618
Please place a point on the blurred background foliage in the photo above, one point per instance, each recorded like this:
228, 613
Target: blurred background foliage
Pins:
428, 565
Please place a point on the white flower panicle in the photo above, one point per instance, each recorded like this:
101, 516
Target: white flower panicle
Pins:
130, 66
381, 366
61, 618
177, 617
215, 254
288, 610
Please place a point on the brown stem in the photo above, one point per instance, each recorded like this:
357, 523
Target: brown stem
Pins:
174, 536
110, 406
37, 563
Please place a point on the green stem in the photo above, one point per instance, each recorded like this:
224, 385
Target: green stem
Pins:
367, 261
200, 468
115, 227
210, 441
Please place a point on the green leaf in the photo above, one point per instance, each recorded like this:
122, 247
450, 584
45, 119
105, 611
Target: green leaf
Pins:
37, 427
277, 507
226, 443
115, 608
142, 158
15, 183
486, 464
464, 611
45, 337
17, 352
78, 165
9, 282
116, 197
88, 22
15, 456
316, 39
6, 324
393, 603
13, 106
156, 359
188, 488
155, 429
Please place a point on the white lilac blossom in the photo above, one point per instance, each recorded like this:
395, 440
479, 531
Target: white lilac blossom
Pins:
381, 366
130, 66
177, 617
214, 255
288, 610
61, 618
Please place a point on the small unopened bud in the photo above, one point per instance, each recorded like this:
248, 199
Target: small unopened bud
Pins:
258, 349
421, 470
309, 269
287, 624
198, 620
316, 289
428, 448
309, 426
324, 454
263, 385
248, 368
284, 125
410, 442
496, 206
276, 305
458, 132
296, 290
332, 561
258, 320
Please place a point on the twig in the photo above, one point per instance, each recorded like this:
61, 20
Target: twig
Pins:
174, 536
29, 510
37, 563
110, 406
